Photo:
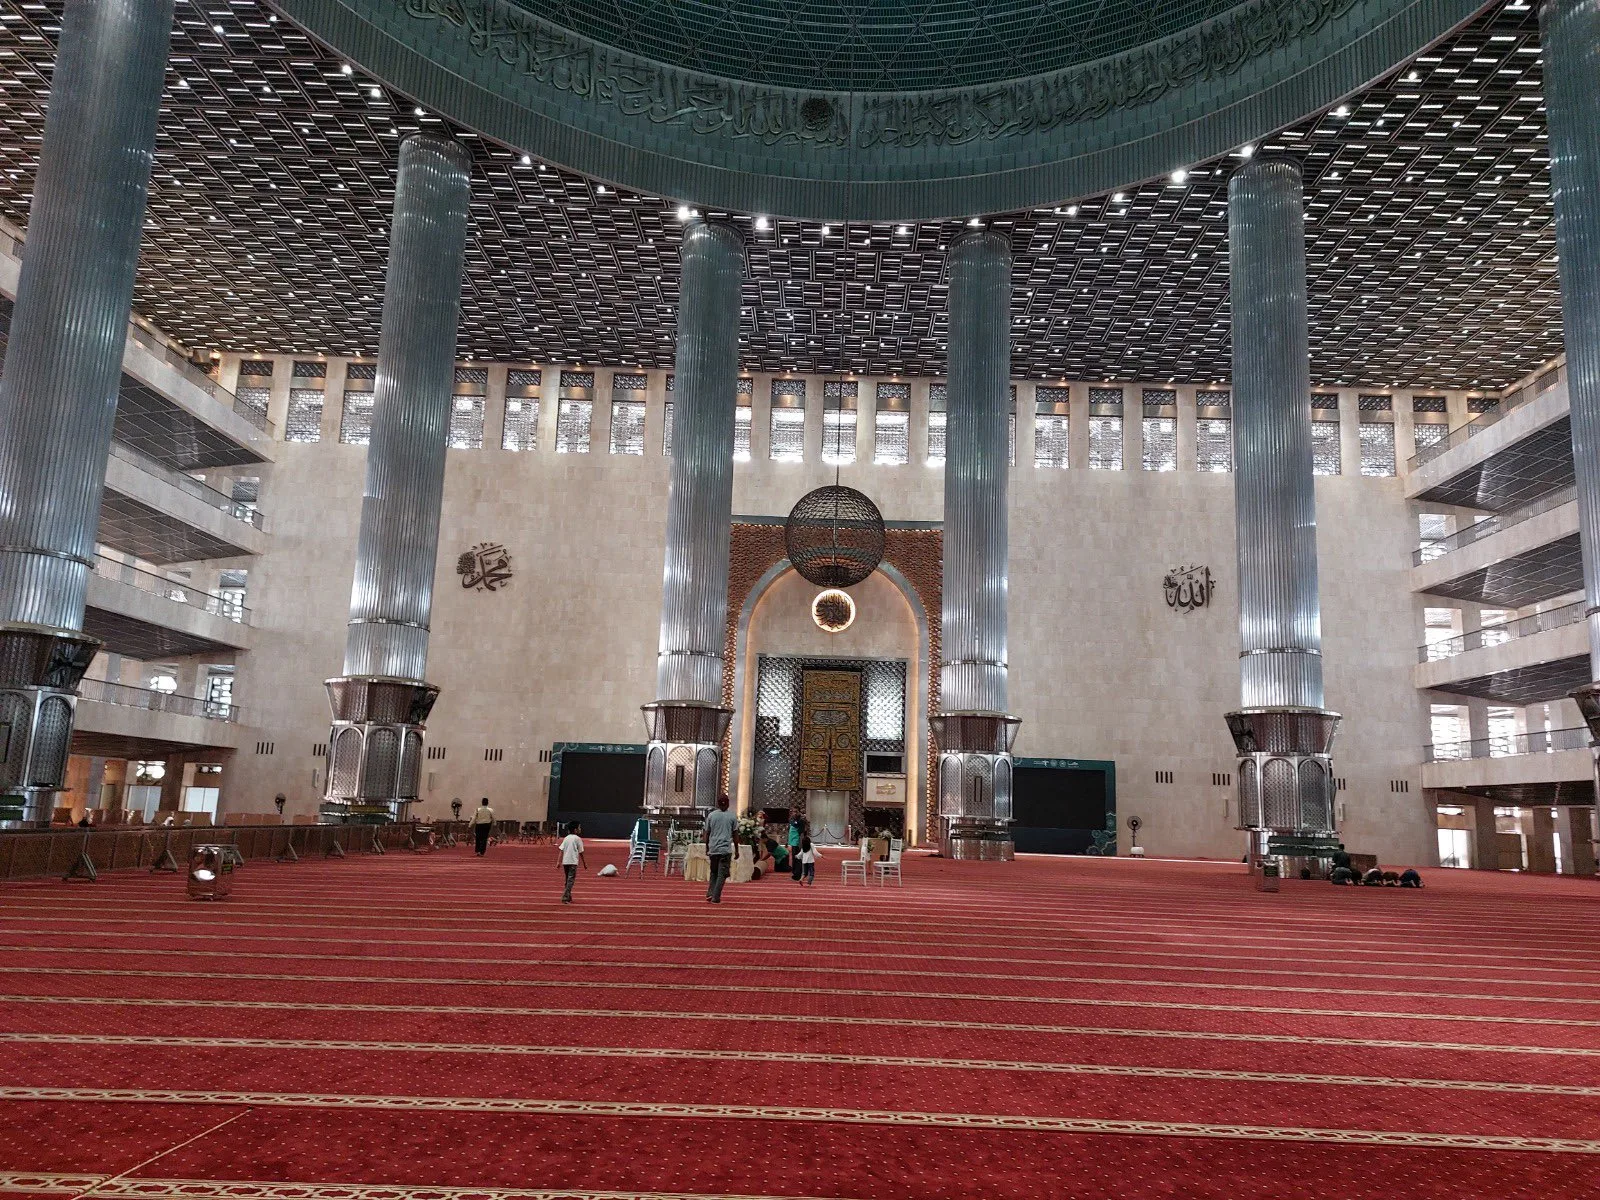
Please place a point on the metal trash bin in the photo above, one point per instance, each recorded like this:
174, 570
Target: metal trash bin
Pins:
210, 872
1267, 881
422, 839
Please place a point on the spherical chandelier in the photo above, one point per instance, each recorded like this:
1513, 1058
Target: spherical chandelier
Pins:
834, 536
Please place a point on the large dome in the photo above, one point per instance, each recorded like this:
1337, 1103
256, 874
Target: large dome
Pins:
924, 109
875, 45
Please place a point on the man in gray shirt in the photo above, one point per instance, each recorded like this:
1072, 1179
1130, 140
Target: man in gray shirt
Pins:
720, 825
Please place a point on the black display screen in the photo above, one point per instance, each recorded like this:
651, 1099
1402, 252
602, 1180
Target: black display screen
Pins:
1056, 810
605, 789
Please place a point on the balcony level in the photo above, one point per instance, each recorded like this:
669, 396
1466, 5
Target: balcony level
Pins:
166, 407
1505, 458
149, 617
118, 721
1510, 560
161, 515
1553, 766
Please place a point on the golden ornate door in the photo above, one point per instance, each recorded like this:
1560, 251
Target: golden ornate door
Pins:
830, 730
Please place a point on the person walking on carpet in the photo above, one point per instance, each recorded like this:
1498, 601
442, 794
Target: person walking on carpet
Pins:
572, 858
808, 862
483, 826
720, 824
797, 831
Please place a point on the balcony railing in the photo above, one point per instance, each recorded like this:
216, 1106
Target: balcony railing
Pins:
1476, 532
1508, 403
171, 589
238, 510
199, 378
136, 697
1499, 635
1510, 745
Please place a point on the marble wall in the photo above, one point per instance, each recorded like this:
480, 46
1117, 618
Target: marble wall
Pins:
1100, 666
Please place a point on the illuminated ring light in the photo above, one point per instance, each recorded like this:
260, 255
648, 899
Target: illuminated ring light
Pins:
833, 611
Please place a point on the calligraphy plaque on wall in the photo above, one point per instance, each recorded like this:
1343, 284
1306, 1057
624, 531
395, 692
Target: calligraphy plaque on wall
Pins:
1188, 588
484, 568
830, 730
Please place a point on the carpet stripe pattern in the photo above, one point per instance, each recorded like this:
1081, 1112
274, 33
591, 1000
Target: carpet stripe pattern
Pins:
441, 1028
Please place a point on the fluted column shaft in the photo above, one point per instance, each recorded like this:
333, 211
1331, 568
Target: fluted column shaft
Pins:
694, 591
1570, 30
976, 474
58, 391
392, 595
1280, 623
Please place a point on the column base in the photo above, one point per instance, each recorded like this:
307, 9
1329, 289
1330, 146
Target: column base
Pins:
975, 781
1286, 784
683, 763
374, 747
39, 674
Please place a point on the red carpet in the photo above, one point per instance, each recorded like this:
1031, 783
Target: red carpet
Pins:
442, 1028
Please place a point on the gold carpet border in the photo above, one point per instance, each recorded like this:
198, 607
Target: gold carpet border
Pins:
817, 1019
579, 933
809, 1058
143, 1188
1271, 948
1089, 1001
527, 1106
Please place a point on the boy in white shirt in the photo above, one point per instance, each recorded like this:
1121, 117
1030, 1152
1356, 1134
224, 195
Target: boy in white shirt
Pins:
572, 858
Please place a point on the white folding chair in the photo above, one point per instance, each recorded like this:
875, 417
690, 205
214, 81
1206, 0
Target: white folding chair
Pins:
891, 865
856, 866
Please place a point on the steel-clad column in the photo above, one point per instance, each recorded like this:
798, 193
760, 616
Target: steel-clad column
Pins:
973, 730
381, 702
687, 721
1282, 732
1570, 31
58, 390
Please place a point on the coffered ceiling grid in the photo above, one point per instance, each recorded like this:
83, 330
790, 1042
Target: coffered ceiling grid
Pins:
1429, 231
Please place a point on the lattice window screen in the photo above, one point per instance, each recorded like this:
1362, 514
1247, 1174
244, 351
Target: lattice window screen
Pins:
936, 424
891, 437
1160, 444
1377, 448
1325, 456
573, 421
627, 427
355, 419
788, 434
741, 433
466, 423
839, 436
1050, 441
666, 432
1105, 443
253, 398
522, 425
1213, 444
1429, 435
305, 416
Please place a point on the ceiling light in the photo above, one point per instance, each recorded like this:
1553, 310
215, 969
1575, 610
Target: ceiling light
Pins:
1247, 151
527, 160
1180, 176
762, 224
345, 69
418, 111
902, 230
684, 212
975, 223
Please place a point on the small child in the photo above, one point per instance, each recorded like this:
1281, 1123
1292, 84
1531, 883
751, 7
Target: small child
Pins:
808, 862
571, 858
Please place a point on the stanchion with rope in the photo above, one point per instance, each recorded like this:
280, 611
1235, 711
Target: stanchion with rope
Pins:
164, 861
83, 867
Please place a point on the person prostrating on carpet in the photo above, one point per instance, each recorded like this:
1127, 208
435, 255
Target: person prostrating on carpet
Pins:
482, 826
572, 858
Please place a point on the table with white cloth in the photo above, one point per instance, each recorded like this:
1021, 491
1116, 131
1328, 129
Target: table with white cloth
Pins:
697, 864
743, 868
